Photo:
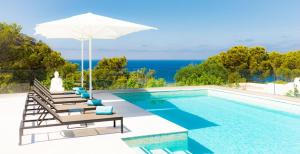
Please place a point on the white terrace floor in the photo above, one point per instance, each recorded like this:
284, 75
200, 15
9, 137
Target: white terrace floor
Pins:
97, 138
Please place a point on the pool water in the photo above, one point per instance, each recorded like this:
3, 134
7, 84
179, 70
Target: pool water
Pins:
217, 125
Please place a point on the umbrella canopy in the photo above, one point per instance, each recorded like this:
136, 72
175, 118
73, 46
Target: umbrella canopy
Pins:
87, 27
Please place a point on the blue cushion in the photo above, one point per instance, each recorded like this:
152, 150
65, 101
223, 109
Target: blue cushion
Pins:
94, 102
79, 92
85, 95
78, 88
104, 110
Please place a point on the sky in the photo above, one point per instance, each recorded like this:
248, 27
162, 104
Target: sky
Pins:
188, 29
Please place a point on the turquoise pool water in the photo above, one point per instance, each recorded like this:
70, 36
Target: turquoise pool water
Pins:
217, 125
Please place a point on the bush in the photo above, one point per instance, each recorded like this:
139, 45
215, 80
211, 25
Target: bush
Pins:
210, 72
144, 78
241, 64
155, 83
280, 82
188, 75
110, 72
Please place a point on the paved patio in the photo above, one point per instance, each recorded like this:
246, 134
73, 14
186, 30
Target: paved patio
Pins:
97, 138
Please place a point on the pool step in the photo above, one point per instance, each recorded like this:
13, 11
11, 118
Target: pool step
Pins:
182, 152
159, 151
142, 150
177, 152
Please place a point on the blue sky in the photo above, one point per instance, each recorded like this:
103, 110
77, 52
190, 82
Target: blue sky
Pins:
188, 29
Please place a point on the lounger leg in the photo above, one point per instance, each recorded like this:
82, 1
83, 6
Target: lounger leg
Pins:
122, 125
20, 133
114, 123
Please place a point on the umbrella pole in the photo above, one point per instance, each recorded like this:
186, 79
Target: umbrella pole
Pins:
90, 63
82, 63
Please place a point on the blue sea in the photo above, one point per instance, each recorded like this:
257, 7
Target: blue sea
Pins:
164, 68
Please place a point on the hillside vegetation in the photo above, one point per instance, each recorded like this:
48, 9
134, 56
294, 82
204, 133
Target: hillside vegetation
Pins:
241, 64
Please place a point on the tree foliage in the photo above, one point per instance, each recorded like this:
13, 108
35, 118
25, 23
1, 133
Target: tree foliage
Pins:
144, 78
112, 73
25, 58
241, 64
207, 73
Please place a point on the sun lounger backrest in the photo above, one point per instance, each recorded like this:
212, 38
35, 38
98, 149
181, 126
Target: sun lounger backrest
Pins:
37, 83
44, 98
46, 107
42, 90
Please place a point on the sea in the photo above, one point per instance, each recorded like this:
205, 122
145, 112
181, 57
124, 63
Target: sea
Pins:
164, 68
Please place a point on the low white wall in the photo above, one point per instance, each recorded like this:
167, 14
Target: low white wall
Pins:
280, 89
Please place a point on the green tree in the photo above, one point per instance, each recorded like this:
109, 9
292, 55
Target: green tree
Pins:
25, 58
236, 59
109, 72
286, 66
209, 72
188, 75
241, 64
144, 78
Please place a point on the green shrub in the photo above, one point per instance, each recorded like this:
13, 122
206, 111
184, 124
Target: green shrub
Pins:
241, 64
280, 82
155, 83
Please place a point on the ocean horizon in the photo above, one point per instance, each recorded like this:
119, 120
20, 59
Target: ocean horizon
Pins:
164, 68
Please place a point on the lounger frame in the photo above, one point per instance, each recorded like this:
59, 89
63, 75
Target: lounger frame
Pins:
59, 100
36, 81
53, 106
46, 110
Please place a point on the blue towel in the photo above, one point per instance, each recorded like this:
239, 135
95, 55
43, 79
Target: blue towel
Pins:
94, 102
85, 95
78, 88
104, 110
79, 92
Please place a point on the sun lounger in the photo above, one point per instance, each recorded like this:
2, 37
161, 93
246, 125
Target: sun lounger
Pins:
59, 100
56, 96
63, 120
45, 90
64, 108
60, 93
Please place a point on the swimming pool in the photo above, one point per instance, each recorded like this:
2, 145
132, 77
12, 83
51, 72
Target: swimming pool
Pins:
222, 125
